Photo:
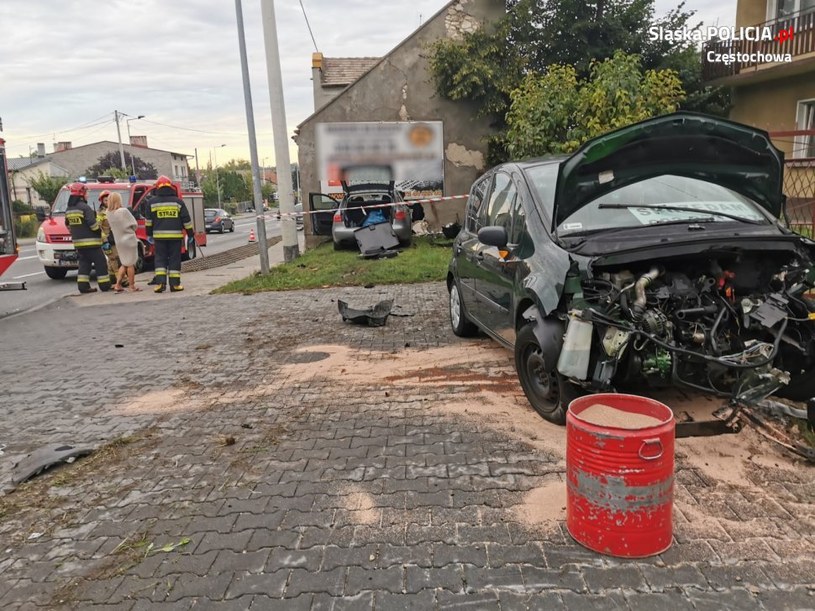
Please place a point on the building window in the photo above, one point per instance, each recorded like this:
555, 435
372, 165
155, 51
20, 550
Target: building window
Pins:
805, 144
784, 9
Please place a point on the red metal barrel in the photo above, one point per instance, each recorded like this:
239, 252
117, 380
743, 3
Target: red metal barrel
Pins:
620, 480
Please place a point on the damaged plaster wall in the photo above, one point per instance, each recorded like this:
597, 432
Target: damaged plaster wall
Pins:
400, 88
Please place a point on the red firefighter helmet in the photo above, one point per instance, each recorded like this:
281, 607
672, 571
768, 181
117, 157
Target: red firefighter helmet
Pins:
163, 181
79, 188
103, 195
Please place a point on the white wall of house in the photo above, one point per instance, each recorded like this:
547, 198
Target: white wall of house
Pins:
20, 182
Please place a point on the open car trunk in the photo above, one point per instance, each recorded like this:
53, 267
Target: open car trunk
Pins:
361, 213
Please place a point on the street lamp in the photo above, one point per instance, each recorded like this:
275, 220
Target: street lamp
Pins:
130, 141
217, 176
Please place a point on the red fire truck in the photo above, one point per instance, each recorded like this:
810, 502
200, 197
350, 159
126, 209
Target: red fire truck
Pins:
8, 241
56, 251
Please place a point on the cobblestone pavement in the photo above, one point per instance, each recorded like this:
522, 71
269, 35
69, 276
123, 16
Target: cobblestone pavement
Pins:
256, 452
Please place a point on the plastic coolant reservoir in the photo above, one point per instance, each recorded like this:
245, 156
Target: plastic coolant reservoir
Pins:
574, 357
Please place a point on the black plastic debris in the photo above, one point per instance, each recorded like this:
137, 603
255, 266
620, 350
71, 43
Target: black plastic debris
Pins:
374, 316
451, 230
38, 461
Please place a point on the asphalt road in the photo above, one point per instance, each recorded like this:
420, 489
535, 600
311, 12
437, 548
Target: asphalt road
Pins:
41, 290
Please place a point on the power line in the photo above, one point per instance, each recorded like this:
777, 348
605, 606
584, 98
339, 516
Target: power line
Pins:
86, 125
308, 25
190, 129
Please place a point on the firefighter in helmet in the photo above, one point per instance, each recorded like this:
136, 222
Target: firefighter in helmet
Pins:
167, 220
108, 243
87, 238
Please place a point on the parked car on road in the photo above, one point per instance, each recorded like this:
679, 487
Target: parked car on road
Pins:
359, 206
218, 219
298, 211
655, 255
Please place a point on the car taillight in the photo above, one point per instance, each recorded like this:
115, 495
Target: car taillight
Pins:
337, 217
217, 219
400, 215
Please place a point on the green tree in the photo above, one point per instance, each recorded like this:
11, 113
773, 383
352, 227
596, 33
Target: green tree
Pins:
47, 187
556, 112
234, 187
267, 190
236, 165
110, 164
487, 66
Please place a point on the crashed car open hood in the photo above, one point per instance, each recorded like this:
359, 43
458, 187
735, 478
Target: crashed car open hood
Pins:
729, 154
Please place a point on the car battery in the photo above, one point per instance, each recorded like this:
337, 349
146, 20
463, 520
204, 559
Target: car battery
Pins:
375, 239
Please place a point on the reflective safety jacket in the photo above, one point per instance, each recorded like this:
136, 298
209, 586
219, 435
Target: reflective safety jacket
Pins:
81, 221
167, 217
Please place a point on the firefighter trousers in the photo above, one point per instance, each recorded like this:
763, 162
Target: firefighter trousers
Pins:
168, 262
92, 258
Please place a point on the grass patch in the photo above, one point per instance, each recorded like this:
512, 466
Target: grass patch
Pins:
323, 267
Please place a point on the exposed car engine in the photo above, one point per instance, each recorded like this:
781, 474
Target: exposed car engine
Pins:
738, 326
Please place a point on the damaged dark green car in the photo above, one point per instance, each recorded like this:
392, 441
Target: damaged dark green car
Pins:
655, 255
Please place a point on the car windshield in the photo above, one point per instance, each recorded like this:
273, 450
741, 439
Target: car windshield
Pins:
652, 202
61, 202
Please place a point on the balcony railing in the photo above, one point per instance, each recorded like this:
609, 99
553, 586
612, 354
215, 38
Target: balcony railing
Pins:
801, 43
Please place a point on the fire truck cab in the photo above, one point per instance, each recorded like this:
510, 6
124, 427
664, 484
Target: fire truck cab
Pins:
55, 249
8, 241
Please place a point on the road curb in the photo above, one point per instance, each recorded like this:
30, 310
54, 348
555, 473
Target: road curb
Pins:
226, 257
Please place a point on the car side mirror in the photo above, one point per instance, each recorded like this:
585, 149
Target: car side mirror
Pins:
493, 236
41, 215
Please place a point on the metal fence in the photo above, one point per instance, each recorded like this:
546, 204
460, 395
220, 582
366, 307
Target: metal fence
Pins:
799, 181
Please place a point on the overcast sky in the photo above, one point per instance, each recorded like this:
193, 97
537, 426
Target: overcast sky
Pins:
66, 65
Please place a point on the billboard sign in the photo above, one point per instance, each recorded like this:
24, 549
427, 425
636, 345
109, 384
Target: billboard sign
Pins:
410, 153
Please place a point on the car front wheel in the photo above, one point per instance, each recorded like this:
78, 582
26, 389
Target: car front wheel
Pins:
458, 317
547, 391
56, 273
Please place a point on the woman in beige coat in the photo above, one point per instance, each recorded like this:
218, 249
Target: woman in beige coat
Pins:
123, 226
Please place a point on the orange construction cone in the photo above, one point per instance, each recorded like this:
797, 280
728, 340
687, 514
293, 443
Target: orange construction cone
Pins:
252, 239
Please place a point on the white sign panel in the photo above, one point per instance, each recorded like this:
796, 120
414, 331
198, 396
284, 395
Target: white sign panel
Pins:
410, 153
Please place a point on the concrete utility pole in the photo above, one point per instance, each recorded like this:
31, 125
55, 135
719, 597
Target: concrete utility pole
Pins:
130, 141
253, 146
291, 250
117, 114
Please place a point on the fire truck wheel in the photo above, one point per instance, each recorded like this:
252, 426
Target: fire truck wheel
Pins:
140, 260
56, 273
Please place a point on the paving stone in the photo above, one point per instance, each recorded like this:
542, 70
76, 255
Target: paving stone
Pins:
449, 600
541, 601
420, 601
528, 553
403, 555
732, 598
645, 601
660, 578
475, 555
450, 577
229, 561
723, 577
301, 581
566, 578
477, 579
608, 601
599, 579
309, 559
189, 586
270, 585
360, 579
336, 557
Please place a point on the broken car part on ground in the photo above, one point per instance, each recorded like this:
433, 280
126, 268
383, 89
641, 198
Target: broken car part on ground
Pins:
653, 256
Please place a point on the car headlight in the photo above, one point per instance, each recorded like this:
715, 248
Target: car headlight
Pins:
41, 235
